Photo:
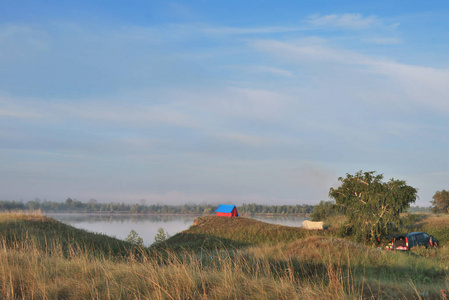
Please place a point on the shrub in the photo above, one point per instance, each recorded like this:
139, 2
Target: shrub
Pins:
323, 211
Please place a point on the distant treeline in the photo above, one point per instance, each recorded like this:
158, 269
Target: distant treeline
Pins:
275, 209
419, 209
93, 206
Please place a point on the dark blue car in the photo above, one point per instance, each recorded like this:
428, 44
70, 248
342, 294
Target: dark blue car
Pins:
406, 241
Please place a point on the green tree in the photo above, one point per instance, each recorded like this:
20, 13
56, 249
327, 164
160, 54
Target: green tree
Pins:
372, 206
134, 208
68, 202
134, 238
440, 202
161, 235
91, 204
323, 211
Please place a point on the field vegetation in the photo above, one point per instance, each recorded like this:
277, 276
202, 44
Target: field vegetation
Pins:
218, 258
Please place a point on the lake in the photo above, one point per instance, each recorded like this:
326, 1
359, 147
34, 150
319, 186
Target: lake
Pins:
146, 226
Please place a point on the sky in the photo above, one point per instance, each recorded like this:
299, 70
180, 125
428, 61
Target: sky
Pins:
176, 102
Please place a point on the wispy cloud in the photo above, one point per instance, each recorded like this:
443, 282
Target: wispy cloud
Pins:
9, 109
134, 115
176, 110
275, 71
247, 30
306, 52
20, 114
20, 35
348, 21
246, 139
382, 41
426, 86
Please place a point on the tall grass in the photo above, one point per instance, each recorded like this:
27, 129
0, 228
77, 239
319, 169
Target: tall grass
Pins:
28, 272
365, 270
17, 228
314, 267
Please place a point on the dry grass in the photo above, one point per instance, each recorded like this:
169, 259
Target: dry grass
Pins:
262, 273
29, 273
314, 267
364, 270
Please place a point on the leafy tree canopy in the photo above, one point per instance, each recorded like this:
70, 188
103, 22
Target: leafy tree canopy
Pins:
371, 205
440, 202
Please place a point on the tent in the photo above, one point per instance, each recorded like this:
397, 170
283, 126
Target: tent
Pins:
312, 225
227, 211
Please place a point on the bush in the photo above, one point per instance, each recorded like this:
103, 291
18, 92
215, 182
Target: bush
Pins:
161, 236
323, 211
134, 238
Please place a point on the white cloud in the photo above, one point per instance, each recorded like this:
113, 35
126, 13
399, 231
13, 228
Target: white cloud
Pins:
382, 41
348, 21
275, 71
246, 139
262, 69
218, 106
425, 86
12, 110
18, 113
305, 51
21, 38
140, 115
246, 30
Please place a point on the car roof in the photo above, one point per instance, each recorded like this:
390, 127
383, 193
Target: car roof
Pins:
395, 235
405, 234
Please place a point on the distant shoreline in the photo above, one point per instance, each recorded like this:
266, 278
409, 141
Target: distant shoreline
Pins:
167, 214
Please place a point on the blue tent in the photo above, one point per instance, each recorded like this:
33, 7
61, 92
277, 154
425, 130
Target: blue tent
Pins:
227, 211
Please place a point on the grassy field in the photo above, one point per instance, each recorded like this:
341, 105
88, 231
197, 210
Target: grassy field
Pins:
219, 258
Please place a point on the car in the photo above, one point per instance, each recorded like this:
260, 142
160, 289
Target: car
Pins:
405, 242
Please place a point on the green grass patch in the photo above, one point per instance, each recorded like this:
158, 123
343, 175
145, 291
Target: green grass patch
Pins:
213, 232
46, 234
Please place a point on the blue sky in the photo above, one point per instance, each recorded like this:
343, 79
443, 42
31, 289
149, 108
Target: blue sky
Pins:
220, 101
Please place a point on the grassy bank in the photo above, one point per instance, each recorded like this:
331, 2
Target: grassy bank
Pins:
246, 259
18, 230
211, 232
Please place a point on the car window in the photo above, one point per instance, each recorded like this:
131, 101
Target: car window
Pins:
426, 236
420, 237
412, 238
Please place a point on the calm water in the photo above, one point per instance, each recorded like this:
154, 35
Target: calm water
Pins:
119, 226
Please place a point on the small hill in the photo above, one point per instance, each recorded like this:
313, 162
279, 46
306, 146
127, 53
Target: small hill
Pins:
212, 232
45, 234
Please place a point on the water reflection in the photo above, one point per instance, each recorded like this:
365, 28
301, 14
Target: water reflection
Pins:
119, 218
282, 220
120, 226
146, 226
